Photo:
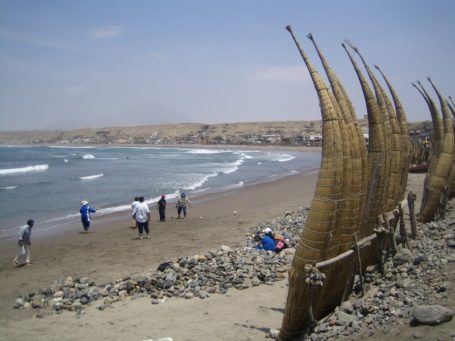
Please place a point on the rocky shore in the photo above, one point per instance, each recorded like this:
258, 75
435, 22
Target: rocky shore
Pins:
415, 289
197, 276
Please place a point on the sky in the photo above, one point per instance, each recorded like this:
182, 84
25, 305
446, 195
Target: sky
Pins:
69, 64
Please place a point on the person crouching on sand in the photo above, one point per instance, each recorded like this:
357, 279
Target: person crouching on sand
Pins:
85, 215
142, 215
267, 242
23, 254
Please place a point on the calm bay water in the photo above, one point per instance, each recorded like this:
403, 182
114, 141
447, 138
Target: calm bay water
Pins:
48, 183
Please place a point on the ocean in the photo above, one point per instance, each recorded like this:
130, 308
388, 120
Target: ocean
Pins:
48, 183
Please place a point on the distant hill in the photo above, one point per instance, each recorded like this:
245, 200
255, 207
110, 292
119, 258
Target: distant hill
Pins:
179, 131
137, 115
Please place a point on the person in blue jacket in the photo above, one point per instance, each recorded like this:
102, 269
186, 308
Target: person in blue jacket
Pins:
85, 215
267, 243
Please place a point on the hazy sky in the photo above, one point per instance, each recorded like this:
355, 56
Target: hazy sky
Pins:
103, 63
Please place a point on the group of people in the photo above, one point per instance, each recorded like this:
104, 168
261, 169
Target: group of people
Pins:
140, 216
268, 241
141, 212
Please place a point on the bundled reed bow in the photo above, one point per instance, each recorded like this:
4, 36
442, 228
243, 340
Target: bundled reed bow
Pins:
318, 237
443, 154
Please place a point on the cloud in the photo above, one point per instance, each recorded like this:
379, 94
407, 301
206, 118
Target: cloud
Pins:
107, 32
284, 73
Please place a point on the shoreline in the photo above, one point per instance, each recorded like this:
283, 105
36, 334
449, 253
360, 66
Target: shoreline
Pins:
113, 251
72, 218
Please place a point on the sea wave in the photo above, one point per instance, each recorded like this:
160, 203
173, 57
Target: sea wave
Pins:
88, 156
280, 157
233, 167
202, 181
8, 187
205, 151
90, 177
72, 147
35, 168
286, 158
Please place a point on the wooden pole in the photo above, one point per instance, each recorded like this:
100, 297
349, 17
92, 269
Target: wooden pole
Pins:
443, 202
404, 236
359, 260
412, 216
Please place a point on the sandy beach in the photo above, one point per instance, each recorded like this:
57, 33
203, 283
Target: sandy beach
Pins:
113, 251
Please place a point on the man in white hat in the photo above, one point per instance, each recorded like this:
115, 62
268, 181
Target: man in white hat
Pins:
85, 215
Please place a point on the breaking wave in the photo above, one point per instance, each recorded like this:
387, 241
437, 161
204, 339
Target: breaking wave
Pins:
28, 169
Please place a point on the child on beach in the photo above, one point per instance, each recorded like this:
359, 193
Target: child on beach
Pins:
85, 215
23, 254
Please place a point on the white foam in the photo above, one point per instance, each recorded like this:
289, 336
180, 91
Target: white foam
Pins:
8, 187
286, 158
36, 168
205, 151
201, 182
88, 156
234, 166
279, 157
72, 147
90, 177
65, 160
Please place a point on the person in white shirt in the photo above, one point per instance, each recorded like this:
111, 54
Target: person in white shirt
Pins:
142, 216
23, 243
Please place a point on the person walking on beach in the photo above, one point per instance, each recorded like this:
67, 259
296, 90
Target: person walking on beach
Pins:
23, 243
85, 215
181, 204
133, 206
142, 216
162, 207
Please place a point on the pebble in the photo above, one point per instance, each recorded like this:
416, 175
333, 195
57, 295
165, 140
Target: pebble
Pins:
431, 314
411, 283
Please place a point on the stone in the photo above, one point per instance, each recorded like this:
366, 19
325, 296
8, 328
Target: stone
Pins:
68, 282
19, 303
226, 248
273, 333
431, 314
189, 295
344, 319
403, 257
347, 307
